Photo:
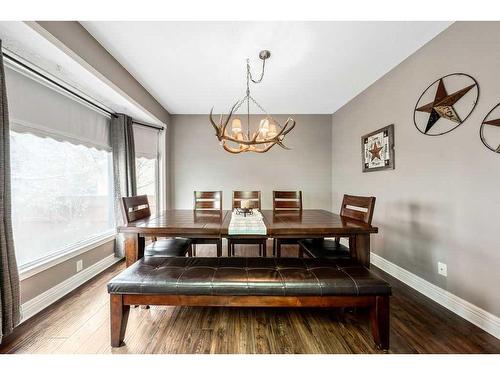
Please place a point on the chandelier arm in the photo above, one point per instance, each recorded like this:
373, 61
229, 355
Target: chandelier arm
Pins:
276, 139
283, 146
223, 127
265, 149
233, 150
285, 131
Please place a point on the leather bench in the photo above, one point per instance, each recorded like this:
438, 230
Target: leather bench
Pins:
250, 282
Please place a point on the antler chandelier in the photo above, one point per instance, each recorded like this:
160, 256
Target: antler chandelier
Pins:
269, 132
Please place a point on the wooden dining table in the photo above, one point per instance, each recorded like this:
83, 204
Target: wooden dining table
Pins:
308, 223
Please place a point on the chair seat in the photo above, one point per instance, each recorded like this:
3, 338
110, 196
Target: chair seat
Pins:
169, 247
322, 248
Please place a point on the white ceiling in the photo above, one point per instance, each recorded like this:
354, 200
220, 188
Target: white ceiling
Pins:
22, 41
315, 67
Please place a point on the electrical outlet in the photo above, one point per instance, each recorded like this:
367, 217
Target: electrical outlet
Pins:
79, 265
442, 269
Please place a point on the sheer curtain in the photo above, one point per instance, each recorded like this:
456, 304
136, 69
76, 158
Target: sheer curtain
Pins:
9, 282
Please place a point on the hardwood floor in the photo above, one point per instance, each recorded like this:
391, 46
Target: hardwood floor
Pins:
79, 323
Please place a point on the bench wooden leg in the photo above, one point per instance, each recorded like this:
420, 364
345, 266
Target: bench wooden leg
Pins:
119, 317
380, 316
264, 249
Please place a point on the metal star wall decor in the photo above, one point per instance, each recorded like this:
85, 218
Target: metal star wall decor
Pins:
489, 132
447, 110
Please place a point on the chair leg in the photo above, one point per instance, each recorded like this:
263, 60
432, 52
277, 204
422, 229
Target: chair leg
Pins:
228, 247
219, 247
380, 317
264, 249
274, 247
260, 250
118, 319
193, 252
278, 248
190, 250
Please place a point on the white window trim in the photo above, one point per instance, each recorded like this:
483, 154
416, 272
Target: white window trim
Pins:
50, 260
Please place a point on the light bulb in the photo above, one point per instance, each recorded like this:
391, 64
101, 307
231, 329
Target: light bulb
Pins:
272, 131
264, 125
236, 125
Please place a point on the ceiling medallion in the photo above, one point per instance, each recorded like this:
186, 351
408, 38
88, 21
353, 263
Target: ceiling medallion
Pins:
446, 104
490, 129
269, 133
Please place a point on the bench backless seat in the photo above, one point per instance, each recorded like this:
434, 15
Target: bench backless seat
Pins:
251, 282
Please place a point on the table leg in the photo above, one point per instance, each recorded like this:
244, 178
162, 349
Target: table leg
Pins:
361, 249
134, 248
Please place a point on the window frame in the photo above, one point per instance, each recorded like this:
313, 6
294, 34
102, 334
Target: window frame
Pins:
65, 253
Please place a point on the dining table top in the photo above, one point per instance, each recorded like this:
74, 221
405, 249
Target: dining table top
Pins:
214, 223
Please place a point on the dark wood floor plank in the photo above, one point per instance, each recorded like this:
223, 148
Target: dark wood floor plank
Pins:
79, 323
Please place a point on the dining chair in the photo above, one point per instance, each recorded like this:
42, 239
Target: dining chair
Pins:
353, 208
253, 197
137, 208
286, 202
207, 203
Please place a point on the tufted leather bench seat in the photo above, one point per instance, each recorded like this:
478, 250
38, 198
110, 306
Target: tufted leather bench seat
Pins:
285, 282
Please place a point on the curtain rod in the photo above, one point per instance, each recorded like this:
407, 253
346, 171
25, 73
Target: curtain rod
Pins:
90, 102
157, 127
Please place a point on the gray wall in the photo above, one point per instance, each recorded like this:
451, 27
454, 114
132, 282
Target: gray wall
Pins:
442, 202
43, 281
198, 162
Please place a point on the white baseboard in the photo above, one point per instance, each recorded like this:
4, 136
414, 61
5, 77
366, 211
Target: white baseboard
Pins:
40, 302
476, 315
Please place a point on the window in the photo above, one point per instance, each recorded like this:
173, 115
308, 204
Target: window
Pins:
61, 171
147, 180
146, 163
60, 195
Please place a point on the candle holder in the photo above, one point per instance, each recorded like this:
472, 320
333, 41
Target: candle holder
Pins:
244, 211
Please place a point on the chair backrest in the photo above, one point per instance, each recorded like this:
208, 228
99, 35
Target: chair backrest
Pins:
252, 196
358, 208
208, 200
287, 200
135, 208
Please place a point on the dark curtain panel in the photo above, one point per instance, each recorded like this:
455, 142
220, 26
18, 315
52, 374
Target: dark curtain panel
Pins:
122, 143
9, 276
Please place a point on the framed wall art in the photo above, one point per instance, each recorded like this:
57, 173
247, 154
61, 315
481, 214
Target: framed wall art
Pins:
377, 149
